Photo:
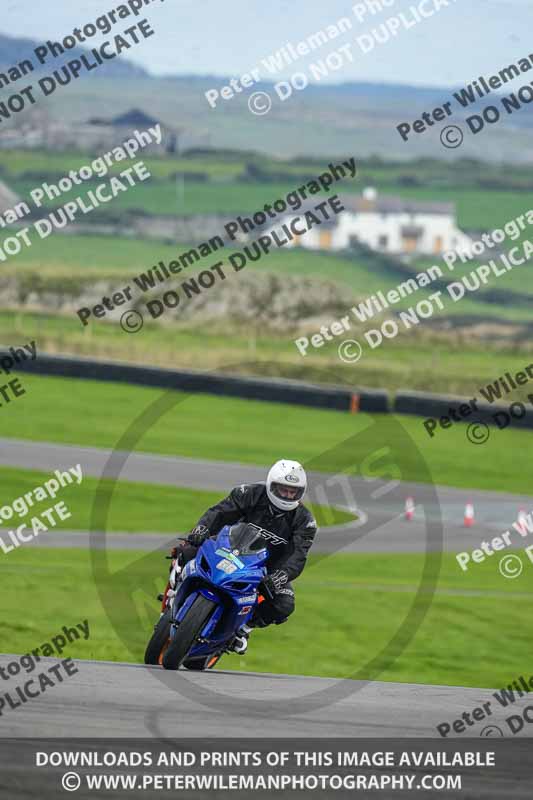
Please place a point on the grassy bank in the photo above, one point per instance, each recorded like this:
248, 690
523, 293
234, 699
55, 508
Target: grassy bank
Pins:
135, 507
444, 366
348, 608
62, 261
202, 426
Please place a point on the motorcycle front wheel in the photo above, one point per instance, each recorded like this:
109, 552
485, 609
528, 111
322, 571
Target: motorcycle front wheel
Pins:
187, 633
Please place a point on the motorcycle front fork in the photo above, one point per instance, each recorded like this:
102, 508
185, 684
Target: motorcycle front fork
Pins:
170, 591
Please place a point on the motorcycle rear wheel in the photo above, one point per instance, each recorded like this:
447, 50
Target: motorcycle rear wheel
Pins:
159, 640
187, 632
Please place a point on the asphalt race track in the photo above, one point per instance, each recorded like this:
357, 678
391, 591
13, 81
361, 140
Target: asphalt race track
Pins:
111, 699
381, 527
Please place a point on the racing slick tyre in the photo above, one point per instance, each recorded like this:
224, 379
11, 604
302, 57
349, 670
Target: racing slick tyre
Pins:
159, 640
187, 632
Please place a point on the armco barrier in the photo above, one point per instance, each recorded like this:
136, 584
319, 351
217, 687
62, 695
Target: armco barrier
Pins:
270, 390
425, 405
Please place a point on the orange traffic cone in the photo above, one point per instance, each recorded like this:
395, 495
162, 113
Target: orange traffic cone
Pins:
521, 520
409, 508
469, 515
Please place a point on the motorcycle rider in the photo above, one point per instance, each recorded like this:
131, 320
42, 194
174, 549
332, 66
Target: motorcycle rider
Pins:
276, 507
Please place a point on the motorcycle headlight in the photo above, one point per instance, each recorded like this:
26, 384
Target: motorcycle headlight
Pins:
239, 586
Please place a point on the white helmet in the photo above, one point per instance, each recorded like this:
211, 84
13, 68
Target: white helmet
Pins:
286, 484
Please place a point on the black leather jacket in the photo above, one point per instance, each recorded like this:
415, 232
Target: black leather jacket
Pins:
249, 503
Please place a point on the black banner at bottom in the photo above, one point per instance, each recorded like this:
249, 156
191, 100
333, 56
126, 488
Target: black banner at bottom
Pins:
213, 768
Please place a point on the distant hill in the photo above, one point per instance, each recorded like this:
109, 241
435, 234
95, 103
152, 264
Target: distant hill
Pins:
356, 119
352, 118
13, 50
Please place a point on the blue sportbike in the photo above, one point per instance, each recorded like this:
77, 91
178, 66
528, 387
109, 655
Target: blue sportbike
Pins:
214, 595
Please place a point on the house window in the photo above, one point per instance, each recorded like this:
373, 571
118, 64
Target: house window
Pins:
325, 240
383, 242
411, 235
439, 244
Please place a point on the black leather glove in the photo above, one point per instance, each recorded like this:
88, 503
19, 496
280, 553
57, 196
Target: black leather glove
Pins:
198, 535
176, 551
276, 581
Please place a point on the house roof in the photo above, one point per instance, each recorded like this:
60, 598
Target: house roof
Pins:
133, 117
394, 205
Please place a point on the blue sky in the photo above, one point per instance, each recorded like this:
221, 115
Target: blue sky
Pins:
467, 39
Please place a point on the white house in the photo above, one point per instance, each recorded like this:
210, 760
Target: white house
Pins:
389, 225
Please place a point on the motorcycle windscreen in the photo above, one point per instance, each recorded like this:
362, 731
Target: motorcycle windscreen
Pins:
246, 538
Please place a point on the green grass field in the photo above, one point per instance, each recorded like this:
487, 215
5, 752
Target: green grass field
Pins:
476, 629
438, 174
61, 262
348, 608
442, 365
253, 432
477, 207
16, 164
144, 507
